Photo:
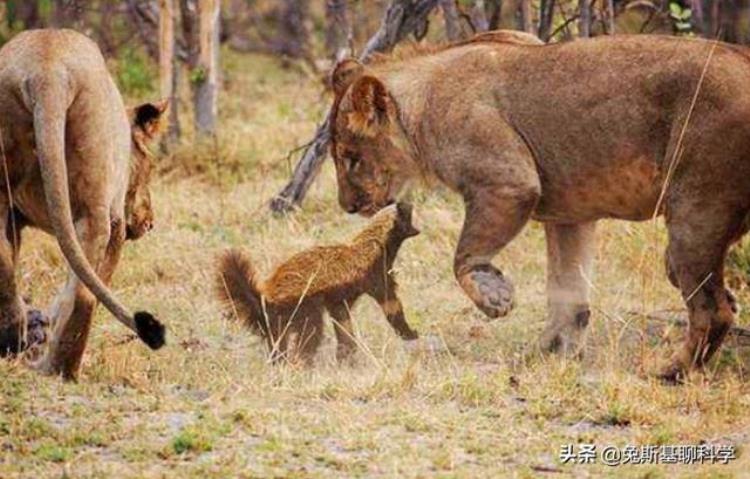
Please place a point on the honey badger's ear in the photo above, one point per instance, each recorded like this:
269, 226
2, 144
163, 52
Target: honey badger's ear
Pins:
405, 216
404, 210
369, 104
344, 73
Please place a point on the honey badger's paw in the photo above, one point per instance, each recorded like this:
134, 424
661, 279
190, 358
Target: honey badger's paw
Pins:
489, 289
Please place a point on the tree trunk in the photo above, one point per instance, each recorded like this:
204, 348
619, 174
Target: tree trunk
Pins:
25, 11
546, 13
339, 31
452, 25
294, 36
727, 14
697, 20
584, 20
478, 16
402, 17
206, 77
740, 18
494, 14
527, 22
610, 16
168, 68
714, 20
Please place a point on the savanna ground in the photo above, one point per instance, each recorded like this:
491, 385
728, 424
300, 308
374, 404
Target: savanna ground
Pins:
208, 405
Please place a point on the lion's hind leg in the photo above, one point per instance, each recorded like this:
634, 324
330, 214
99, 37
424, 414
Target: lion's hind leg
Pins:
12, 320
74, 307
699, 236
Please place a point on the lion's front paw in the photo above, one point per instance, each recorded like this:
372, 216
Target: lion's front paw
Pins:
490, 291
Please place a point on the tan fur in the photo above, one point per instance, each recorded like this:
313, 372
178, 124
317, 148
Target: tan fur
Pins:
290, 303
566, 134
67, 165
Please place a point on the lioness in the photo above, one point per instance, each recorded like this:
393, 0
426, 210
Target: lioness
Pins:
565, 134
67, 169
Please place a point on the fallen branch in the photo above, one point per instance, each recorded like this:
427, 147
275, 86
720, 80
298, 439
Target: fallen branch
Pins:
402, 18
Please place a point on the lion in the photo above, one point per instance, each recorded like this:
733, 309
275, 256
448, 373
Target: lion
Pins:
286, 309
67, 170
630, 127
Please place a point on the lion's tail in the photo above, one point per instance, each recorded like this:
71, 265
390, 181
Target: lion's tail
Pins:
50, 102
237, 287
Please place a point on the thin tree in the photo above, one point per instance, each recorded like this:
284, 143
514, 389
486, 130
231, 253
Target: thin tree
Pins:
401, 18
527, 22
494, 14
546, 14
206, 77
450, 14
338, 31
609, 7
478, 16
697, 19
168, 68
584, 18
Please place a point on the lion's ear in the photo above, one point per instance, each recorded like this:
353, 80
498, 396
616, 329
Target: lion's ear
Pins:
344, 74
148, 116
369, 105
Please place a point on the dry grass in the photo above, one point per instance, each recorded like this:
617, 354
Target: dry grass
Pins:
208, 405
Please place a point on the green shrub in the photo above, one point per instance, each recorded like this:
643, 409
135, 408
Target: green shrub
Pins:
135, 72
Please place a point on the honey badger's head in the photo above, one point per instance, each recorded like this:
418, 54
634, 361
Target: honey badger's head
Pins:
393, 225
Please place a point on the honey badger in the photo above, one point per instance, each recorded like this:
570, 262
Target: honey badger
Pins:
286, 309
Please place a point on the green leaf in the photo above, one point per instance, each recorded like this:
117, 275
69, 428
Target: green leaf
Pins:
675, 9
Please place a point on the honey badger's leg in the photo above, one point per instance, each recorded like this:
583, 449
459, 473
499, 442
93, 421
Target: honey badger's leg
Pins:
11, 306
74, 307
570, 258
498, 205
386, 296
342, 324
699, 236
308, 334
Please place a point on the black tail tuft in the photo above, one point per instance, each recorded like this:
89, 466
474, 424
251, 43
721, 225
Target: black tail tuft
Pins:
150, 330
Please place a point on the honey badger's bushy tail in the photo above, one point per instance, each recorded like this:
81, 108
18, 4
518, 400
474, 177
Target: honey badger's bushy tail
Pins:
237, 287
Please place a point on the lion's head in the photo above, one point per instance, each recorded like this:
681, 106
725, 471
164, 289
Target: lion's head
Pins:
146, 125
372, 154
